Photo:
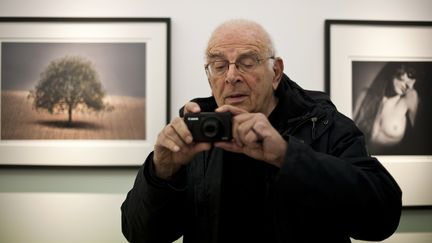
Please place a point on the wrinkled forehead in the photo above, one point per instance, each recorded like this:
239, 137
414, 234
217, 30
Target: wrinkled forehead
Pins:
237, 39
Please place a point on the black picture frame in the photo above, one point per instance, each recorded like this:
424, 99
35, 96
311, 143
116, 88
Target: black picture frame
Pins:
350, 44
153, 35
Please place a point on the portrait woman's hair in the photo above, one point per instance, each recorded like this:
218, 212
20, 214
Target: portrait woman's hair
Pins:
382, 86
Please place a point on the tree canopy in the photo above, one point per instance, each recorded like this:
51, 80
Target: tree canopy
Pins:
69, 83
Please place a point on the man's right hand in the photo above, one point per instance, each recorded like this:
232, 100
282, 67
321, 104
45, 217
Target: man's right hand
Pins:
174, 145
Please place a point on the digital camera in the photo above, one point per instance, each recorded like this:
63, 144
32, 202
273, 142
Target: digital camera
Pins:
209, 126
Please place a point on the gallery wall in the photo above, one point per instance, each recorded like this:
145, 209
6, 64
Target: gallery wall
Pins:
83, 204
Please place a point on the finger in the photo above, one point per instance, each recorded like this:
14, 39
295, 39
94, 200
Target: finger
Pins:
237, 121
252, 138
170, 139
261, 130
244, 124
180, 127
236, 134
243, 130
249, 116
232, 109
199, 147
229, 146
191, 107
168, 144
175, 135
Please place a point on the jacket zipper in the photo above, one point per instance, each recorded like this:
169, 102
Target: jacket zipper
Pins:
301, 123
313, 119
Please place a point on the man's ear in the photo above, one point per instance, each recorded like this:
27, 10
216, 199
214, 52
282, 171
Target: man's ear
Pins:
278, 67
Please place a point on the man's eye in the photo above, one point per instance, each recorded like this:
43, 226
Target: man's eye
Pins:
247, 62
219, 65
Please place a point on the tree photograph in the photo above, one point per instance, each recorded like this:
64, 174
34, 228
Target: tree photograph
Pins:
73, 90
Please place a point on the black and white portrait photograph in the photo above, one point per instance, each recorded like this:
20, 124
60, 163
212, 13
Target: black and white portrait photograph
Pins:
392, 106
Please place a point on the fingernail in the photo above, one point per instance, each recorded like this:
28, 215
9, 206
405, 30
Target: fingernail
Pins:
176, 148
189, 139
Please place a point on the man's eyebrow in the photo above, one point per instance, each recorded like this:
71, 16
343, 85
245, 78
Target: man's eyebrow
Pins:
215, 55
248, 53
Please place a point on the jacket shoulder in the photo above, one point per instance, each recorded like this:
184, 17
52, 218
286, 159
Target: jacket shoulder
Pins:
320, 97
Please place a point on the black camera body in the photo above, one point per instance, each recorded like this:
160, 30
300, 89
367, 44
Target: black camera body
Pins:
209, 126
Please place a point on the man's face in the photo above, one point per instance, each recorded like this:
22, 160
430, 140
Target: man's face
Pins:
253, 90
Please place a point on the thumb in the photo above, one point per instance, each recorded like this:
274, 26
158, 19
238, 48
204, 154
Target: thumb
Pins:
199, 147
232, 109
261, 130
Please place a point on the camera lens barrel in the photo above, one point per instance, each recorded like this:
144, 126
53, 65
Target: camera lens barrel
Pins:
210, 127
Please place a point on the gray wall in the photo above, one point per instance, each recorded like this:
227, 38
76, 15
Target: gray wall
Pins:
82, 205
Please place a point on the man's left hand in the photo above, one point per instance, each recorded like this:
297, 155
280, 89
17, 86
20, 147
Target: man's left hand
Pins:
254, 136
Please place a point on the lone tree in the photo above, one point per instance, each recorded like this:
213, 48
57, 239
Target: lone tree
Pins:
67, 84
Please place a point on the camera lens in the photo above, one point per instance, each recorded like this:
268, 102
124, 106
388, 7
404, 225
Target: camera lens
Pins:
210, 127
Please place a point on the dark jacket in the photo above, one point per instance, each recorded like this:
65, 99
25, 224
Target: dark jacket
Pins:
328, 189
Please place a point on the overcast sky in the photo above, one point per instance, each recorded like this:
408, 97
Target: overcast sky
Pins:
121, 66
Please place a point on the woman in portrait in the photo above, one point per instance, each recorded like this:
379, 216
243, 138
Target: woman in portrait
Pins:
387, 110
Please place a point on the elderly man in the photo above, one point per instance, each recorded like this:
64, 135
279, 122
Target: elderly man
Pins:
295, 169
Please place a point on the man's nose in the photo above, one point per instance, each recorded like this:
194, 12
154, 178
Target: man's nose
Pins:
232, 75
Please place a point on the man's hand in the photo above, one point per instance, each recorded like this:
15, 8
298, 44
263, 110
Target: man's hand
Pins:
254, 136
174, 146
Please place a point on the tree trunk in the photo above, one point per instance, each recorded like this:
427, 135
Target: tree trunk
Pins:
70, 116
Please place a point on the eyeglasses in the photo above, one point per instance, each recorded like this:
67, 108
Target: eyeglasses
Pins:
243, 64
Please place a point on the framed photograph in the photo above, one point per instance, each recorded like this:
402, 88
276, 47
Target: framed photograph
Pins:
82, 91
379, 73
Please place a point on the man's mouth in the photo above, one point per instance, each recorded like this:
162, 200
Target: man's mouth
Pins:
235, 98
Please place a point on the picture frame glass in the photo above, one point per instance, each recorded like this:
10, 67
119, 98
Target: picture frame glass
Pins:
80, 92
379, 73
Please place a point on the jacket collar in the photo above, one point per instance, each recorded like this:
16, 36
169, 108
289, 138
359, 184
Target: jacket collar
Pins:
298, 107
294, 103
